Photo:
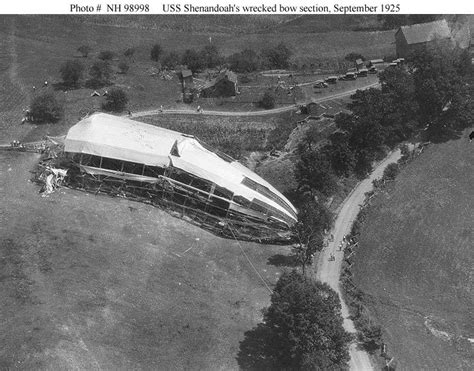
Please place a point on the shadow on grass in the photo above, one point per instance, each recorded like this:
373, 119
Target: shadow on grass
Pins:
280, 260
254, 350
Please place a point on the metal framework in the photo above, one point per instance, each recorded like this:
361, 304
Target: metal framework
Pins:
182, 194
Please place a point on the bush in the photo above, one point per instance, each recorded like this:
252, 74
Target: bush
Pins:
156, 52
106, 55
267, 101
123, 67
277, 57
352, 57
71, 72
391, 172
245, 61
84, 50
170, 60
45, 108
100, 73
116, 100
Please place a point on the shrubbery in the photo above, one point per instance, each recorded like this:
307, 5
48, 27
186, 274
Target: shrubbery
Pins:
116, 100
45, 108
267, 101
71, 72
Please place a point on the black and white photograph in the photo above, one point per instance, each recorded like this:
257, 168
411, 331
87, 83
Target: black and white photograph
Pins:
266, 191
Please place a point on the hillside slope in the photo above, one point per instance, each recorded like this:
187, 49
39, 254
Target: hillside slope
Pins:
416, 260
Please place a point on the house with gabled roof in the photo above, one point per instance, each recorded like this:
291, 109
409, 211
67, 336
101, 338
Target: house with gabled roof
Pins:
409, 39
224, 85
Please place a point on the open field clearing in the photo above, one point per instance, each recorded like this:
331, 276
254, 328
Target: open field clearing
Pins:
94, 282
415, 260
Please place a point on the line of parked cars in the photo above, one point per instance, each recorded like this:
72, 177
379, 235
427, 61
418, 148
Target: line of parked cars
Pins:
354, 73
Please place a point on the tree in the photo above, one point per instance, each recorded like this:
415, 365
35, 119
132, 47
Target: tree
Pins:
340, 154
123, 67
106, 55
278, 56
211, 56
100, 73
170, 60
84, 50
313, 219
116, 100
267, 101
71, 72
314, 173
193, 60
245, 61
443, 96
46, 108
156, 52
306, 325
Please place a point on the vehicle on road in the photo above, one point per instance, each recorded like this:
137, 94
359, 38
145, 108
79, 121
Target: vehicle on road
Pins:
320, 84
331, 79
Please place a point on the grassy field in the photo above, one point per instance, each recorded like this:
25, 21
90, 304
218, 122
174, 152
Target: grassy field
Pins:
93, 282
416, 260
96, 282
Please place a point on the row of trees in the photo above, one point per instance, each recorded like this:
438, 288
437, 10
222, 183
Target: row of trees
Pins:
430, 97
209, 57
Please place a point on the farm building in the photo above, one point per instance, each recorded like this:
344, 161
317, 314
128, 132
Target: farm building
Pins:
409, 39
120, 156
359, 63
186, 78
224, 85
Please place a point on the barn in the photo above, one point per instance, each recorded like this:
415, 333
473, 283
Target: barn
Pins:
409, 39
120, 156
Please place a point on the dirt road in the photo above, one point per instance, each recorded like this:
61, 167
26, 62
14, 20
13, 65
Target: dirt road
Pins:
249, 113
329, 271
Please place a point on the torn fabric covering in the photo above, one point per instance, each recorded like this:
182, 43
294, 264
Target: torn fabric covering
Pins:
122, 139
52, 178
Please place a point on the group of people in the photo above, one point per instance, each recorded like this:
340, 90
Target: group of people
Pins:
16, 144
346, 241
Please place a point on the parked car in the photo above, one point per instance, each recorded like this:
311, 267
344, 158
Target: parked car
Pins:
362, 72
320, 84
372, 70
350, 76
331, 79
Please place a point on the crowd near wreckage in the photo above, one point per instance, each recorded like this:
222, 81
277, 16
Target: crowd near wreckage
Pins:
122, 157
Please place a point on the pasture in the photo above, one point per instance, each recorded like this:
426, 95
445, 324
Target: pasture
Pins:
415, 260
97, 282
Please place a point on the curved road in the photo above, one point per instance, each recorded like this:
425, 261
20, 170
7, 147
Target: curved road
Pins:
249, 113
329, 271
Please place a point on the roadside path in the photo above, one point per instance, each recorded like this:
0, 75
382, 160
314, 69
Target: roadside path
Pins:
329, 271
248, 113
